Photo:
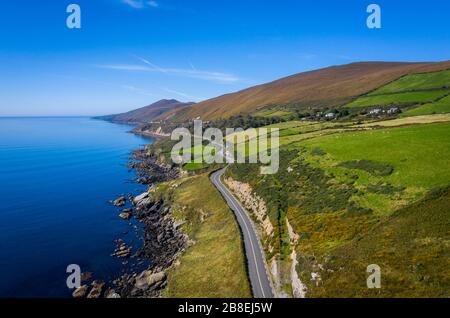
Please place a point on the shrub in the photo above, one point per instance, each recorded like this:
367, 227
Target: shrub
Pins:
372, 167
318, 152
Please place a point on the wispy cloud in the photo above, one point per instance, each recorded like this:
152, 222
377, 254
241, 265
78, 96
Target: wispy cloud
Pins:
156, 67
190, 73
192, 66
141, 4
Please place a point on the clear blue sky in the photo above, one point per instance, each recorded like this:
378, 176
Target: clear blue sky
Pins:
130, 53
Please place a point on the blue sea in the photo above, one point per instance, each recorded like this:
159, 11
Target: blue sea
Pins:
57, 176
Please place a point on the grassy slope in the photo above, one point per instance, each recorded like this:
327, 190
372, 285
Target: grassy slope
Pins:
419, 154
417, 81
412, 248
318, 194
409, 90
398, 99
335, 208
215, 265
330, 87
273, 113
420, 157
441, 106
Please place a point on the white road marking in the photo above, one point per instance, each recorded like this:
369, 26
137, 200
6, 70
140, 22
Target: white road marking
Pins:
216, 179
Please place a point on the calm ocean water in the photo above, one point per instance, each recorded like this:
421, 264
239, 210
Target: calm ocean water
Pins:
56, 178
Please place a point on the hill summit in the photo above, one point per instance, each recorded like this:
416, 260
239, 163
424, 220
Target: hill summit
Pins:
148, 113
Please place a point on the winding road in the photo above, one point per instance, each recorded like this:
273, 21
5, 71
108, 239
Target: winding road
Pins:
255, 256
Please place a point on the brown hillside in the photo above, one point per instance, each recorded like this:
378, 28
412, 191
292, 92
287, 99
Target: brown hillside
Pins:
328, 87
148, 113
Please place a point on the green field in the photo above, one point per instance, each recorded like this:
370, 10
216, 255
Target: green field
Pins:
417, 82
439, 107
309, 128
354, 193
274, 113
214, 264
420, 154
337, 186
191, 166
291, 124
409, 90
398, 99
295, 131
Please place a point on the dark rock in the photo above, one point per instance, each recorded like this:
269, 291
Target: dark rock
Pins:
148, 279
162, 240
143, 180
111, 293
139, 198
81, 292
122, 251
97, 289
119, 202
125, 215
148, 166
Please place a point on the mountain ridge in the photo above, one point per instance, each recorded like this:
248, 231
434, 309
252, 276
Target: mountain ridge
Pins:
148, 113
328, 87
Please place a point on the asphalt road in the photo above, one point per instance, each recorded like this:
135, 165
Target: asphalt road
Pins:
255, 257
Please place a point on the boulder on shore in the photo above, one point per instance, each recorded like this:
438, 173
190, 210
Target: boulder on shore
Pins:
137, 200
80, 292
142, 180
111, 293
146, 202
126, 214
147, 279
122, 250
97, 289
120, 201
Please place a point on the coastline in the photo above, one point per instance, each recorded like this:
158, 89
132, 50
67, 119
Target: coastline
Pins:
162, 241
150, 134
77, 171
171, 231
135, 130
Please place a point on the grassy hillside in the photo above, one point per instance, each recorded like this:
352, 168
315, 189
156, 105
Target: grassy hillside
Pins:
353, 191
440, 106
411, 247
214, 266
325, 88
420, 155
399, 99
337, 185
417, 94
433, 80
273, 113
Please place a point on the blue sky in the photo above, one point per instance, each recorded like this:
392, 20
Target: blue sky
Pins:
130, 53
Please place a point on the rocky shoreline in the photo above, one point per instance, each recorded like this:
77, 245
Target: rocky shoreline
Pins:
150, 169
163, 242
